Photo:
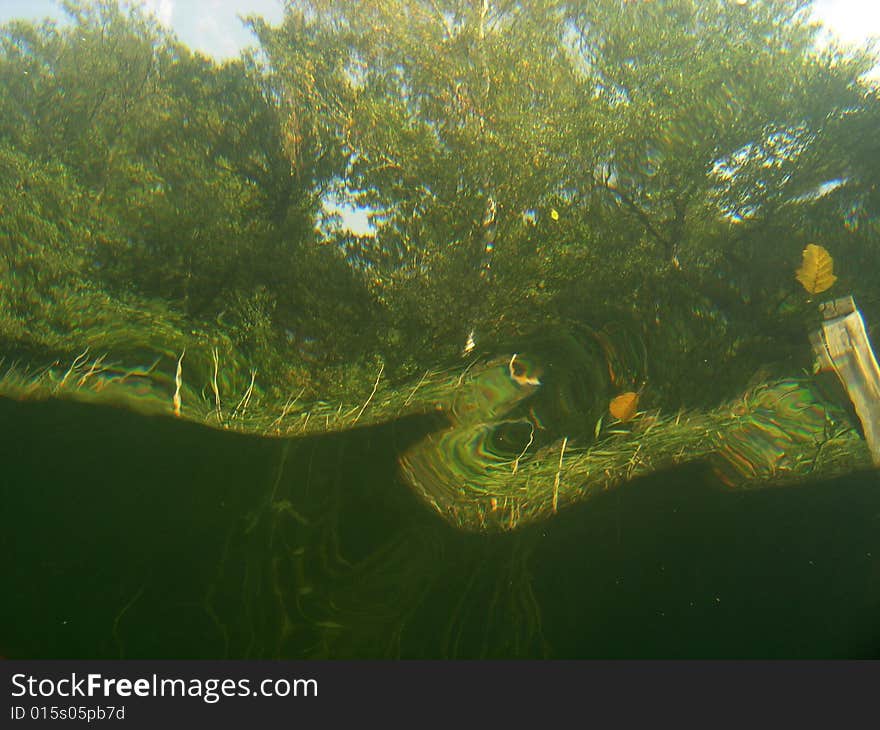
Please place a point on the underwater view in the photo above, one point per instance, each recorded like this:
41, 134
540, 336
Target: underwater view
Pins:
440, 329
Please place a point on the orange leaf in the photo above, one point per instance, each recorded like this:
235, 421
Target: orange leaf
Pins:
623, 407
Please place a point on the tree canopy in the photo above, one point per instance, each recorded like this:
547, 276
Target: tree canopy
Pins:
652, 166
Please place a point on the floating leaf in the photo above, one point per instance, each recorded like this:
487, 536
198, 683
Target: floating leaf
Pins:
816, 273
623, 407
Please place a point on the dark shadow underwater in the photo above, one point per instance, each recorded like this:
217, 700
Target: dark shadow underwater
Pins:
127, 536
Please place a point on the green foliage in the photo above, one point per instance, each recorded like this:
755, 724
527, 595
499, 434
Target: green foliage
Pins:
138, 176
526, 164
43, 249
669, 138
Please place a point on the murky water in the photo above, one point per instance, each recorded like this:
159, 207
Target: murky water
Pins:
133, 537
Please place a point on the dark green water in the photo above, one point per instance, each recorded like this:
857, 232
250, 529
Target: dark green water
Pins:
127, 536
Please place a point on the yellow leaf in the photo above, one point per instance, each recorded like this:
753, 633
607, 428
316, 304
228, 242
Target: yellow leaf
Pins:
554, 214
816, 273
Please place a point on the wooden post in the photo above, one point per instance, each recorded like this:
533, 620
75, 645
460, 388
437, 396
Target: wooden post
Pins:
843, 344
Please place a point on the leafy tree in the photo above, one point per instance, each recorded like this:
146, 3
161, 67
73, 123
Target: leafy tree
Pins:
571, 162
174, 190
652, 168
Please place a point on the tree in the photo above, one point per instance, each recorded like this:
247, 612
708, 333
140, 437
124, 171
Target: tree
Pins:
531, 163
650, 167
176, 192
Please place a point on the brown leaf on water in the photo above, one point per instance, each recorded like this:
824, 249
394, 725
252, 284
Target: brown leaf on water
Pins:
623, 407
816, 273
